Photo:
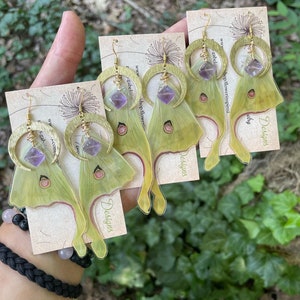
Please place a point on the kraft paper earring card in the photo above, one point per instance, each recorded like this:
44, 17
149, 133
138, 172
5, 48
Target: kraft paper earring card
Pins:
139, 53
249, 92
63, 220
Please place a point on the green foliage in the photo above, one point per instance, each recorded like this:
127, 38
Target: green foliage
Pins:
207, 245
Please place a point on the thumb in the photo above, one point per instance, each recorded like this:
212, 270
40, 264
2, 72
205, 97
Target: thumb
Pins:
65, 53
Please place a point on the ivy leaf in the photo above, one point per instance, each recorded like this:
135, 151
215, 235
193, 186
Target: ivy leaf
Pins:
269, 267
239, 270
215, 238
265, 237
230, 207
282, 203
256, 183
245, 193
289, 283
252, 227
282, 8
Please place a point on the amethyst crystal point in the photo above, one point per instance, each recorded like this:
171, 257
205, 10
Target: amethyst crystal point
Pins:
166, 94
254, 67
118, 99
34, 156
207, 70
91, 147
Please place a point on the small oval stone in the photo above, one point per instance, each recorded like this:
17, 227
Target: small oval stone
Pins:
65, 253
251, 93
7, 215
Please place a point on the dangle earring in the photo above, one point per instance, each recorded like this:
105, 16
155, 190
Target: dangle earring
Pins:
204, 95
172, 127
38, 179
122, 114
256, 90
102, 169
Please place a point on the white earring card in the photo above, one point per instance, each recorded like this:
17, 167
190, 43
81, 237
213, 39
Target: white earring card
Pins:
140, 52
53, 227
256, 131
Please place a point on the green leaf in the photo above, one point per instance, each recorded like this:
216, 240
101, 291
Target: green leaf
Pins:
282, 8
215, 238
230, 207
252, 227
256, 183
269, 267
284, 202
289, 283
244, 192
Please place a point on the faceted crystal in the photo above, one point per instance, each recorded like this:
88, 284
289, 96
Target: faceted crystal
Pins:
166, 94
34, 156
207, 70
91, 147
118, 99
254, 67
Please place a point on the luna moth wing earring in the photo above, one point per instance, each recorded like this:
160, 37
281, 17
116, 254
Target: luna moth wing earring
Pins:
38, 179
172, 127
122, 114
102, 169
256, 90
204, 95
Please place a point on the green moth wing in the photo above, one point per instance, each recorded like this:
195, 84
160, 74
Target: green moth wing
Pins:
205, 100
44, 186
253, 95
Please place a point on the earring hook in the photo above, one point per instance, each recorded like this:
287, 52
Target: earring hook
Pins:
204, 34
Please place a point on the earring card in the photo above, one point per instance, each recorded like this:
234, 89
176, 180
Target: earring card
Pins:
139, 53
52, 227
256, 131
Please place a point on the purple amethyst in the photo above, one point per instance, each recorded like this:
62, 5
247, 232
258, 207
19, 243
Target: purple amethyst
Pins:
118, 99
166, 94
34, 156
254, 68
207, 70
91, 147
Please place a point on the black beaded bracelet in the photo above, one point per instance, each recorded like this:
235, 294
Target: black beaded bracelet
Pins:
44, 280
20, 220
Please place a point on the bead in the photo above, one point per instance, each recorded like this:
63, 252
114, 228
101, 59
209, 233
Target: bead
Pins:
65, 253
7, 215
23, 224
34, 156
17, 219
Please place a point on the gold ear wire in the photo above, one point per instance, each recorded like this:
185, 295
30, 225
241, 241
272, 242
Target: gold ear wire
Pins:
30, 135
204, 33
118, 77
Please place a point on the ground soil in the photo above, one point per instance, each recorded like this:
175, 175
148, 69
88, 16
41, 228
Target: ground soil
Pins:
281, 169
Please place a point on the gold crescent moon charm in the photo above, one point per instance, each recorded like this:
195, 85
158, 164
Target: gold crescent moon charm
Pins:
161, 68
126, 72
88, 118
258, 42
211, 44
22, 130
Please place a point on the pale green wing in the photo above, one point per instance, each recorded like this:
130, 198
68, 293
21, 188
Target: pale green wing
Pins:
253, 95
101, 175
46, 185
205, 99
130, 137
171, 130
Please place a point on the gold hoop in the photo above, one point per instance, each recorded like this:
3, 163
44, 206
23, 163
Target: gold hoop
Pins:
123, 71
22, 130
258, 42
211, 44
89, 118
162, 68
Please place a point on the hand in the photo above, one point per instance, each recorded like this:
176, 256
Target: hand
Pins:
62, 61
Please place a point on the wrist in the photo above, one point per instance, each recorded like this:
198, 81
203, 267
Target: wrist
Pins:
19, 242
